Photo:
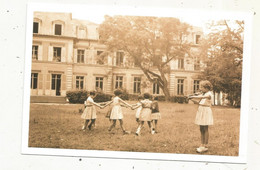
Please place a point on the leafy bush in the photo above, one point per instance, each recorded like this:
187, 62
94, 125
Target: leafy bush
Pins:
181, 99
77, 96
133, 97
159, 98
124, 95
102, 97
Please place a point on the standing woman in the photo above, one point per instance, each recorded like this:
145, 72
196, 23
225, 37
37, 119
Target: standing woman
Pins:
89, 113
204, 116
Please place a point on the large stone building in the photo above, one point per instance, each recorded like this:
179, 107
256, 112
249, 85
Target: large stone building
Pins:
66, 56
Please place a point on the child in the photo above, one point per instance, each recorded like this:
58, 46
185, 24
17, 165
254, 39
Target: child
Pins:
116, 112
204, 116
139, 108
156, 115
89, 113
145, 114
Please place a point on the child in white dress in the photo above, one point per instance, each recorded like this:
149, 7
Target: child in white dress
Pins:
116, 112
145, 114
204, 116
138, 105
89, 113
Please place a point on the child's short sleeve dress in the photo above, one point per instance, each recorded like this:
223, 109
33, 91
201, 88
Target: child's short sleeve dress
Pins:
116, 112
138, 110
145, 114
90, 110
204, 114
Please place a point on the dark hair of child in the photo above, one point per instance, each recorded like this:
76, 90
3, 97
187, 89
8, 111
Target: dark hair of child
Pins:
117, 92
147, 95
92, 93
140, 97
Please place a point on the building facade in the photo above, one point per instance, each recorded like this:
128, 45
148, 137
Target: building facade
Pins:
66, 55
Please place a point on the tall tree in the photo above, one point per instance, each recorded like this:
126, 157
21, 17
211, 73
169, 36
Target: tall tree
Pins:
223, 51
151, 42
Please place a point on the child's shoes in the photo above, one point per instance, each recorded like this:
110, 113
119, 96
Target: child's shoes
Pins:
201, 149
83, 127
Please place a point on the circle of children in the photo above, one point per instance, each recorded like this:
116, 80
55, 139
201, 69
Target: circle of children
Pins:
148, 111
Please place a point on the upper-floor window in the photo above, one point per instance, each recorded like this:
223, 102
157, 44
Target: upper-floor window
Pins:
156, 88
79, 82
57, 54
36, 27
197, 39
137, 85
180, 63
100, 57
119, 82
180, 86
80, 56
119, 58
99, 83
34, 80
57, 29
197, 64
196, 86
35, 52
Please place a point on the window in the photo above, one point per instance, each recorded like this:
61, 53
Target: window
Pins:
57, 54
35, 52
196, 86
35, 27
180, 63
99, 83
79, 82
119, 82
197, 39
197, 64
100, 57
80, 56
156, 88
34, 80
57, 28
180, 85
137, 85
119, 58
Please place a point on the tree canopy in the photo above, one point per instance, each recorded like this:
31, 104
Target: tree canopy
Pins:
151, 43
223, 54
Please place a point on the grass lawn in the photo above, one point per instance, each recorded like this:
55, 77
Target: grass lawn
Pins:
59, 126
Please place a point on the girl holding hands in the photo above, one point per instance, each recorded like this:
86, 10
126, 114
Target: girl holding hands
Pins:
204, 116
89, 113
116, 111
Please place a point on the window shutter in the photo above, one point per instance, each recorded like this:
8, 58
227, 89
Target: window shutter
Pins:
124, 82
191, 87
94, 56
85, 56
74, 82
63, 82
132, 85
185, 87
50, 54
75, 56
40, 53
88, 57
40, 77
63, 54
48, 82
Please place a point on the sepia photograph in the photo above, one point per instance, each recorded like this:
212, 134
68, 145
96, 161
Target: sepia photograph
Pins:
138, 83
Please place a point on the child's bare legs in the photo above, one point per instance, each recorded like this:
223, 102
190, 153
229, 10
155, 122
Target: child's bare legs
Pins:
204, 135
141, 124
155, 125
113, 125
150, 126
91, 123
85, 124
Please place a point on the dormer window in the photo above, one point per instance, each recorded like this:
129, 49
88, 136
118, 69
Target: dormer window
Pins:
36, 27
58, 29
197, 39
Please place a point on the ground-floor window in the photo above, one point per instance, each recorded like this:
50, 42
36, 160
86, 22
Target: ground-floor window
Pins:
119, 82
99, 83
180, 85
34, 80
137, 85
79, 82
56, 83
196, 86
156, 88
